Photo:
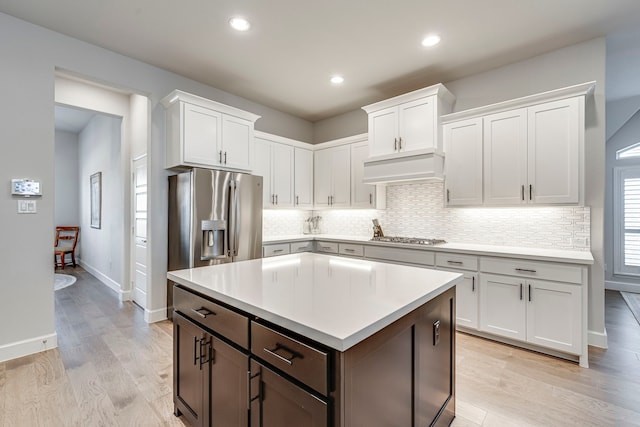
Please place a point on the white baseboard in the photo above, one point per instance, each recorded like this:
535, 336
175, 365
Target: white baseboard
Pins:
598, 339
27, 347
621, 286
153, 316
112, 284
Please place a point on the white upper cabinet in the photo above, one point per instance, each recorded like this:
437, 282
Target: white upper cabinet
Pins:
303, 178
533, 150
205, 133
332, 177
408, 122
554, 138
275, 163
463, 162
364, 195
505, 157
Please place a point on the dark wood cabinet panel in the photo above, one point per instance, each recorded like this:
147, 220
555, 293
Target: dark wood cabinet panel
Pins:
229, 389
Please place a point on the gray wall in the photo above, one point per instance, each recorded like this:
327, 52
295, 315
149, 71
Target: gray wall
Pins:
66, 179
27, 74
575, 64
347, 124
99, 151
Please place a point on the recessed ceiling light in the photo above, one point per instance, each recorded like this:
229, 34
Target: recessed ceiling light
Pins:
431, 40
239, 24
336, 80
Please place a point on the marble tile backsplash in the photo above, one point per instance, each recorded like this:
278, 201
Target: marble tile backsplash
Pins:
417, 210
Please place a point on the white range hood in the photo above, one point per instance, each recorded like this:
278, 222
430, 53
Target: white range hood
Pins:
418, 165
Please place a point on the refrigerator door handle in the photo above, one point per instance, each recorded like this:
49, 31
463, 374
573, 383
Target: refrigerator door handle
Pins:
233, 216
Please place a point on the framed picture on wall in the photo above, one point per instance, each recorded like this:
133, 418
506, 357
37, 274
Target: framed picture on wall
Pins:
95, 187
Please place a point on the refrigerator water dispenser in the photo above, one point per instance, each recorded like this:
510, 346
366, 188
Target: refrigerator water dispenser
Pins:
213, 239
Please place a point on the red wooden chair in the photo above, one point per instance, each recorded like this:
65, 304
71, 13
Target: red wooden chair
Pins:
66, 240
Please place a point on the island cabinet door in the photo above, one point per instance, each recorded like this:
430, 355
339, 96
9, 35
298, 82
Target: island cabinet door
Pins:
277, 402
229, 388
191, 371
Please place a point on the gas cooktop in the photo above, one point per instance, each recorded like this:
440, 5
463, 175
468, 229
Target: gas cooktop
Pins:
409, 240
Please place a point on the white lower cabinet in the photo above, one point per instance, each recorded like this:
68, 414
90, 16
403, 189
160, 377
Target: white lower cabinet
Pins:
539, 312
467, 300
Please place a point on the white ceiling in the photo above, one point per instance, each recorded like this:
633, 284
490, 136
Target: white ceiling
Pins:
294, 46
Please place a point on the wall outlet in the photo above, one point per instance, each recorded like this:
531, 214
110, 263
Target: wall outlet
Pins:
580, 242
27, 207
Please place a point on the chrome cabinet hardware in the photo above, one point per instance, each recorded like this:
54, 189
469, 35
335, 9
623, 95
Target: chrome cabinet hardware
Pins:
520, 291
530, 192
297, 200
203, 312
395, 144
276, 199
473, 284
349, 250
448, 195
522, 192
454, 262
220, 156
529, 292
400, 143
287, 360
525, 270
370, 198
225, 157
277, 250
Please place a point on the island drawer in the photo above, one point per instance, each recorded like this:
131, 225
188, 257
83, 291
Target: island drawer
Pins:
307, 364
401, 255
532, 269
458, 261
329, 247
225, 322
351, 250
277, 249
301, 247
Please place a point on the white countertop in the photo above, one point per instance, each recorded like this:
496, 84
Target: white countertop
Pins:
333, 300
540, 254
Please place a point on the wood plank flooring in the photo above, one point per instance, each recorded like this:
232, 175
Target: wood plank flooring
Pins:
112, 369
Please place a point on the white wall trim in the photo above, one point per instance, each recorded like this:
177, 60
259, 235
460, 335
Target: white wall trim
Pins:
598, 339
112, 284
622, 286
153, 316
27, 347
342, 141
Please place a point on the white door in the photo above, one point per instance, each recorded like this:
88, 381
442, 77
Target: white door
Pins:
282, 174
554, 151
303, 181
140, 231
417, 125
362, 195
463, 162
502, 306
554, 315
383, 132
505, 158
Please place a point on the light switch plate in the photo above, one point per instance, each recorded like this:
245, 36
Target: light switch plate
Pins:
27, 207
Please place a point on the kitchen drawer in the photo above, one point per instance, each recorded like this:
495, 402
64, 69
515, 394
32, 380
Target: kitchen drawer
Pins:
328, 247
301, 247
457, 261
405, 256
305, 363
532, 269
225, 322
277, 249
349, 249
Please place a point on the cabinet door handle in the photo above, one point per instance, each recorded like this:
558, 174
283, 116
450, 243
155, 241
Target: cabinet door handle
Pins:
530, 192
225, 157
455, 262
448, 194
203, 356
203, 312
273, 200
400, 143
520, 291
195, 351
276, 199
287, 360
220, 156
370, 198
525, 270
529, 292
297, 200
473, 284
395, 144
522, 192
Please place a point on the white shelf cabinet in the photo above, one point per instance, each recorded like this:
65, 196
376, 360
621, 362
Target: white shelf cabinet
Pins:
408, 122
205, 133
303, 178
502, 306
463, 162
332, 177
274, 162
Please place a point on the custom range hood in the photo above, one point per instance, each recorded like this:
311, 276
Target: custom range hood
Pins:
405, 136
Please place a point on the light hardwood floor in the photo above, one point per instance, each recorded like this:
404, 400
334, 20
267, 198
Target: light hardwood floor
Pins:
112, 369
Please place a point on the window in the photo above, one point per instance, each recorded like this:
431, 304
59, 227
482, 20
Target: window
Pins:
629, 152
627, 220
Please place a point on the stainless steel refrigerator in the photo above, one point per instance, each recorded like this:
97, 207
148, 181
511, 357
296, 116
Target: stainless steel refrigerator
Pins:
215, 217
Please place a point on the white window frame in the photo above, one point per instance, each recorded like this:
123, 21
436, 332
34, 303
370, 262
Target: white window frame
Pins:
622, 153
620, 173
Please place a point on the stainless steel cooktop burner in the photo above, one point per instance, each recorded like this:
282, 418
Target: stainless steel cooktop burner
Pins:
409, 240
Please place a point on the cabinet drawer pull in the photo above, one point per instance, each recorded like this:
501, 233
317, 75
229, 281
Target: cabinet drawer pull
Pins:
287, 360
327, 248
525, 270
349, 250
203, 312
275, 251
455, 262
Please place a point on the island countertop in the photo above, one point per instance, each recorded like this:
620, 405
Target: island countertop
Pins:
335, 301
